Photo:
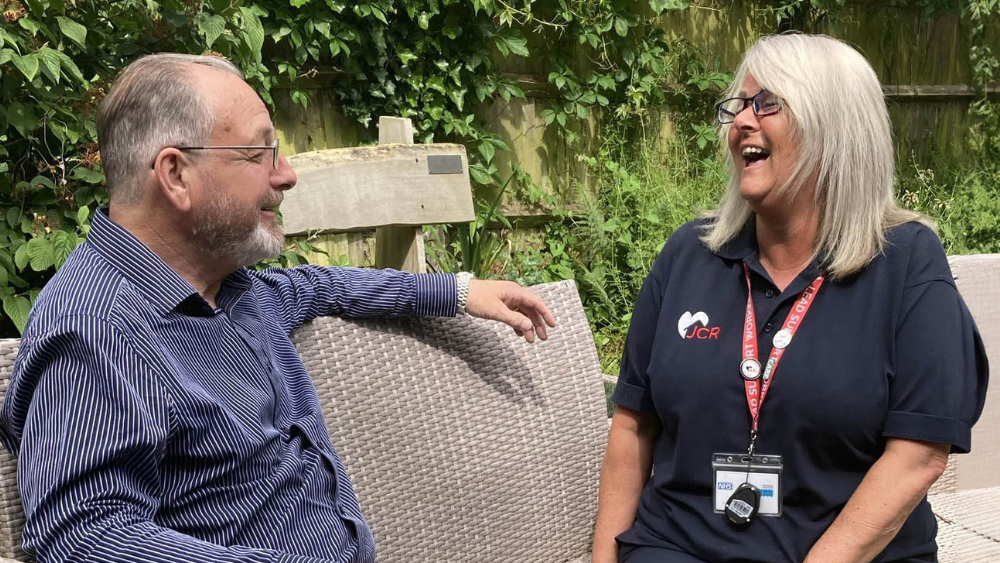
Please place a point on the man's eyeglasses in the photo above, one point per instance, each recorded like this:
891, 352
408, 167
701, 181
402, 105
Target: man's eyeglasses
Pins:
764, 103
273, 147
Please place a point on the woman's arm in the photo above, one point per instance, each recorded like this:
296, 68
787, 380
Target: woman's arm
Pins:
627, 463
893, 487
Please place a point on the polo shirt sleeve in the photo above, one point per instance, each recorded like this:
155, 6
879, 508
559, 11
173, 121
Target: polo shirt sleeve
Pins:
632, 390
89, 424
938, 385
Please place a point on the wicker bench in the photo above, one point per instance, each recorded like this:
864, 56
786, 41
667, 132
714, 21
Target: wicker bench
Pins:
464, 443
467, 445
966, 497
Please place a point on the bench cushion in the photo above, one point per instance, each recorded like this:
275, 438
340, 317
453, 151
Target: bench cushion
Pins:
968, 525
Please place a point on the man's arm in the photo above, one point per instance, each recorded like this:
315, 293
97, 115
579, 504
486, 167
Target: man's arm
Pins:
306, 292
89, 421
303, 293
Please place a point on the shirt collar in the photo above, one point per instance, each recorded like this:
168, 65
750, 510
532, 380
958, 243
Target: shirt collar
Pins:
163, 287
744, 245
744, 248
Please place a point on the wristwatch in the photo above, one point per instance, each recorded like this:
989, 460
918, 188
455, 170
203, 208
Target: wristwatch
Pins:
462, 280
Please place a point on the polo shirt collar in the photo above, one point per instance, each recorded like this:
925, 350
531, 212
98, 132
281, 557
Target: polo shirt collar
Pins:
744, 245
744, 248
163, 287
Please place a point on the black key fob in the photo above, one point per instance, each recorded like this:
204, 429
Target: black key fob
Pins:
743, 505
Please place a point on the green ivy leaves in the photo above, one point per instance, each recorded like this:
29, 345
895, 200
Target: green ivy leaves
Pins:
511, 42
28, 65
17, 308
46, 116
41, 254
211, 27
22, 117
439, 62
660, 6
73, 30
254, 31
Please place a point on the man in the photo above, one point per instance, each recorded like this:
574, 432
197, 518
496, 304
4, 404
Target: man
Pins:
158, 409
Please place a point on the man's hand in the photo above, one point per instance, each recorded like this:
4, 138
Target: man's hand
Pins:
512, 304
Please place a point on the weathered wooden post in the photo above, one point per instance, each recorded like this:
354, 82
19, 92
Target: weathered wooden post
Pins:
395, 187
401, 248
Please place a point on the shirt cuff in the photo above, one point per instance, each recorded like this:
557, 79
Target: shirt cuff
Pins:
633, 397
437, 295
929, 428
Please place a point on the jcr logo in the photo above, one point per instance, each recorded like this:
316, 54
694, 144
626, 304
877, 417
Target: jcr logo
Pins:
703, 333
695, 327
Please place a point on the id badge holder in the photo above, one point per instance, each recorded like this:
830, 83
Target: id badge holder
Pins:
762, 471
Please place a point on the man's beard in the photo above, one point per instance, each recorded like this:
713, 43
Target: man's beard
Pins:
236, 234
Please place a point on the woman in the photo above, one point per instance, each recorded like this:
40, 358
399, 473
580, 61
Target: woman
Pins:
860, 367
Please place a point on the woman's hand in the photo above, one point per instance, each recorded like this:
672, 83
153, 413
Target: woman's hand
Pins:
628, 460
891, 489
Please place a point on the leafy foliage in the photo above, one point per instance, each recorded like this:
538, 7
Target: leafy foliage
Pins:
435, 61
58, 60
963, 197
440, 63
646, 187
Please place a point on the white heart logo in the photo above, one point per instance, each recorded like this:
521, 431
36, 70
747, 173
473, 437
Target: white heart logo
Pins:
687, 319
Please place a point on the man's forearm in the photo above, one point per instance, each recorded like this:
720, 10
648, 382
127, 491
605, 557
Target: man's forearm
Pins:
303, 293
893, 487
361, 292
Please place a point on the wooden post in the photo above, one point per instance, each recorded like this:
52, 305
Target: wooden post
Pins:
400, 248
394, 188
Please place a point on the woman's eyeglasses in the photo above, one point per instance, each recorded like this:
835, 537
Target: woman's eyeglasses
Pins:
764, 103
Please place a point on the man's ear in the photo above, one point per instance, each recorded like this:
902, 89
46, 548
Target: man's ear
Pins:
174, 173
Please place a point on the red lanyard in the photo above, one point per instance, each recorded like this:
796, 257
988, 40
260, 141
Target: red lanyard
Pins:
750, 367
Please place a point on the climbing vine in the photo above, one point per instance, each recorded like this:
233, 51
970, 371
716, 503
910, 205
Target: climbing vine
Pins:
434, 61
439, 62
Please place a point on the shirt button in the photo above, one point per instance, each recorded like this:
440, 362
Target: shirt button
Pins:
769, 293
768, 327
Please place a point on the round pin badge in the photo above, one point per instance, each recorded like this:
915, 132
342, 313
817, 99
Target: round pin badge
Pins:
750, 369
782, 338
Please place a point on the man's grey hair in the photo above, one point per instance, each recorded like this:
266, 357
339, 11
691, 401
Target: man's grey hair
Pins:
153, 104
839, 120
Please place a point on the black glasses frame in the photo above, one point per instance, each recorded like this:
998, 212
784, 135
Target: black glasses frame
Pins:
725, 116
274, 147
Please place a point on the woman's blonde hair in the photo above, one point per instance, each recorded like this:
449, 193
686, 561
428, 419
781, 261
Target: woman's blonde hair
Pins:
839, 119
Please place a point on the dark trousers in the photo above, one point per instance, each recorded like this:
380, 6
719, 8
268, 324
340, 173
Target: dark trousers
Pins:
645, 554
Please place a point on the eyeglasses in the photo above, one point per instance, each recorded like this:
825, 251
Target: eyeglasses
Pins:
272, 147
764, 103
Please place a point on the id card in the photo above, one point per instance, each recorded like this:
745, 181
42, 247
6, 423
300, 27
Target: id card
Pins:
762, 471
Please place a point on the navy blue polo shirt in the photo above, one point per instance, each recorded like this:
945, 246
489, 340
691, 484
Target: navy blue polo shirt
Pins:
890, 352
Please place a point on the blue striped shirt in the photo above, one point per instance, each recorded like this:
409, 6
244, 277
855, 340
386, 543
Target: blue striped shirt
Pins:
149, 426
